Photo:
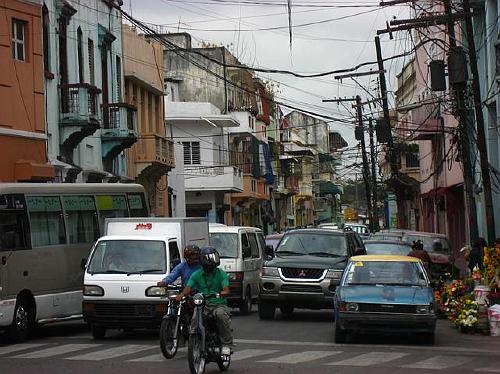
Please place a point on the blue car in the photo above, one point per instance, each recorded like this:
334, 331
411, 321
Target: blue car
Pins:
384, 294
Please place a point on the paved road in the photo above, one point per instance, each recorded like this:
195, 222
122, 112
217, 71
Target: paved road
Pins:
300, 344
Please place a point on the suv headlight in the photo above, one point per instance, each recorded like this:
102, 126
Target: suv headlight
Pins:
424, 309
352, 307
269, 272
156, 291
93, 290
334, 274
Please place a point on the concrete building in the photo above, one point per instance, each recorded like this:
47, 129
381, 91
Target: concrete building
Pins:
89, 124
152, 157
22, 124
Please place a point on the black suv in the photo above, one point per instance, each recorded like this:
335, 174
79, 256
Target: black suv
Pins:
305, 269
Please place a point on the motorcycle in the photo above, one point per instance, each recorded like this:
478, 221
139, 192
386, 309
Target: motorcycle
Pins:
174, 328
204, 344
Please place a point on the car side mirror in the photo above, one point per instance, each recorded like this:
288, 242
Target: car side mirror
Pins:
83, 263
247, 252
269, 251
359, 252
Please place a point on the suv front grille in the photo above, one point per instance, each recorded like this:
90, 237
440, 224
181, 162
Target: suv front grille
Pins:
303, 288
302, 273
387, 308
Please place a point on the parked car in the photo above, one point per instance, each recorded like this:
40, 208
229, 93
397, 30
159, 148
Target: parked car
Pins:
387, 235
273, 239
384, 294
387, 247
327, 225
305, 270
241, 251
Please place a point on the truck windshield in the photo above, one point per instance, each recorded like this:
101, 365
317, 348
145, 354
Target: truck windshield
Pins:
128, 256
225, 243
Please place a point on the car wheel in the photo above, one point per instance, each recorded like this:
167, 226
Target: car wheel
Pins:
246, 304
266, 310
340, 334
23, 321
98, 332
286, 310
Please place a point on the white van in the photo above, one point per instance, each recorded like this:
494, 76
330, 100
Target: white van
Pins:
241, 251
125, 265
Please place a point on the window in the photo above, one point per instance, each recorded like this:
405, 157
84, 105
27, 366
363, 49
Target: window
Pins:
80, 55
254, 185
46, 38
119, 78
81, 219
262, 243
137, 205
225, 243
191, 153
47, 224
111, 206
175, 257
254, 247
13, 230
90, 46
19, 39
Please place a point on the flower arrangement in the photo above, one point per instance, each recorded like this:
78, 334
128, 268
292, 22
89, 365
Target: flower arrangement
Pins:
491, 272
448, 298
468, 314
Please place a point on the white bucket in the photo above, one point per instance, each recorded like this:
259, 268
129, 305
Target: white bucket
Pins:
481, 294
495, 327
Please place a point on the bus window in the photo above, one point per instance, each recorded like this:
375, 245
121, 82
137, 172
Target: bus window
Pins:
13, 230
111, 206
137, 205
81, 219
47, 224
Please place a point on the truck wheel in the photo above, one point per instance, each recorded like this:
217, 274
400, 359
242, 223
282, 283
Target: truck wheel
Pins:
340, 334
286, 310
266, 310
246, 305
23, 321
98, 332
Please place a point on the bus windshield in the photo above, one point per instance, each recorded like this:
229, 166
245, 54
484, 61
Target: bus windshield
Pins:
128, 256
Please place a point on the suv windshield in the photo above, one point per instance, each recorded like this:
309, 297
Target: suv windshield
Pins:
225, 243
313, 243
129, 256
386, 273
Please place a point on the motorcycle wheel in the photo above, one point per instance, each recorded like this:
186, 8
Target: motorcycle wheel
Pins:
196, 358
223, 365
168, 342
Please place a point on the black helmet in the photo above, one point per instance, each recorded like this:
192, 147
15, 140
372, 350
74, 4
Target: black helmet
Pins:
209, 258
418, 245
191, 251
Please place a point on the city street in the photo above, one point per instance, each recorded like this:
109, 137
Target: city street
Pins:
296, 345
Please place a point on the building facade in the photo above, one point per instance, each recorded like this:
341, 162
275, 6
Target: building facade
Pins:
89, 123
23, 137
151, 158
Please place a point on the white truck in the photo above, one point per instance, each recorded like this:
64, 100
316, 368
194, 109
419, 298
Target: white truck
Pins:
125, 265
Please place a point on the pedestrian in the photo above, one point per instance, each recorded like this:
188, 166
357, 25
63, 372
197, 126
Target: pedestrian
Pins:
419, 252
476, 254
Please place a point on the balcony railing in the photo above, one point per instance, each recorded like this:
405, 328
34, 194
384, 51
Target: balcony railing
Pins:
155, 148
116, 113
79, 100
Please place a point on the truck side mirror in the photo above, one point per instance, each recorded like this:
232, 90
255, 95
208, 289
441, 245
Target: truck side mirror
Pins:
269, 251
247, 252
83, 263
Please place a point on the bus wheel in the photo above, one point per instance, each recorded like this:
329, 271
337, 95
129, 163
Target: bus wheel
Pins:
98, 332
22, 321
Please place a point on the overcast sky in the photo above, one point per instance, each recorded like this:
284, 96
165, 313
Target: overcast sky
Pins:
334, 44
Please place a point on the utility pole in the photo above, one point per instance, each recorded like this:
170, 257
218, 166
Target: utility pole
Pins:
366, 172
481, 138
374, 178
459, 94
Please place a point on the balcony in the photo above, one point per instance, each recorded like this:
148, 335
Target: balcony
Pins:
154, 155
79, 114
120, 129
253, 188
219, 178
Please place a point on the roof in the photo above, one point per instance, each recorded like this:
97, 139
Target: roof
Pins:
231, 229
397, 242
378, 258
315, 231
133, 237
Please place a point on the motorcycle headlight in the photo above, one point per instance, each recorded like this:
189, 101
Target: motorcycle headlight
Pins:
424, 309
93, 290
269, 272
156, 291
198, 299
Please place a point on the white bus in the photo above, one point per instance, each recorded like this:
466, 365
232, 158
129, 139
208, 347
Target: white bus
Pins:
45, 232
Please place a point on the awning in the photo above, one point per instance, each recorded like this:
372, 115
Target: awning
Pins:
326, 188
438, 192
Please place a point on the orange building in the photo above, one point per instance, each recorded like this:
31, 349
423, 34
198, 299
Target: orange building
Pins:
22, 121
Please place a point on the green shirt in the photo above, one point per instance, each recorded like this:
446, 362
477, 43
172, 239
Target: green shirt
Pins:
209, 284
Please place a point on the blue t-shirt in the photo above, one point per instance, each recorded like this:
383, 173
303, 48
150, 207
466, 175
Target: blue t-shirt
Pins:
182, 270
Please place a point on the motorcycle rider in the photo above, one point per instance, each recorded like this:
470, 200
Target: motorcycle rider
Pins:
211, 280
186, 268
419, 252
